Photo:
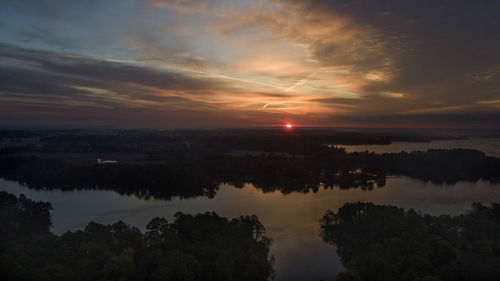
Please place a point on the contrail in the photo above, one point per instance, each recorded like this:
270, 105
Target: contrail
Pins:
231, 78
208, 74
301, 82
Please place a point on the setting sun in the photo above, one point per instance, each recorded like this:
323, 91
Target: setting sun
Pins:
288, 126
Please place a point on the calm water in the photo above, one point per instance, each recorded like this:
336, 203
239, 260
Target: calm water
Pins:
291, 220
490, 146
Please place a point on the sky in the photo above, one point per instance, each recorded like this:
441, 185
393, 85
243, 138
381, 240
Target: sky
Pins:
221, 63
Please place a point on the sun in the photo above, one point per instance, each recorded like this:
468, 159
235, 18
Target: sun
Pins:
288, 125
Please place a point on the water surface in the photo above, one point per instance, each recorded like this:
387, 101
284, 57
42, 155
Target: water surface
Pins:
490, 146
292, 220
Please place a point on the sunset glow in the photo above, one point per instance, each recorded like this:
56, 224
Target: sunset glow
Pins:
248, 63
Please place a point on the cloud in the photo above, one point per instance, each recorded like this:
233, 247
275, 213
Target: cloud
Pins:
36, 82
439, 54
90, 69
318, 61
182, 6
36, 76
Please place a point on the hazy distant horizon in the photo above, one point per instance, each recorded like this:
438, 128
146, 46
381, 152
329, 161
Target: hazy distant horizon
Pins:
270, 127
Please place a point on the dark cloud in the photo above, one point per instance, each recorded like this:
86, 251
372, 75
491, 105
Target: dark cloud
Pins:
338, 101
105, 70
184, 6
18, 81
276, 95
396, 57
419, 42
47, 88
432, 54
51, 75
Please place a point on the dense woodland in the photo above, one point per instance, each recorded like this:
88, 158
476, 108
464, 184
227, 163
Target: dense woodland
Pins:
387, 243
193, 247
201, 173
164, 143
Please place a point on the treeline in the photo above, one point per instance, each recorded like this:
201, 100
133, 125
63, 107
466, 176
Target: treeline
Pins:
435, 165
162, 142
388, 243
193, 247
201, 174
198, 175
160, 181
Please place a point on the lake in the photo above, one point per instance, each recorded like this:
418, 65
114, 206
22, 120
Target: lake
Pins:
292, 220
490, 146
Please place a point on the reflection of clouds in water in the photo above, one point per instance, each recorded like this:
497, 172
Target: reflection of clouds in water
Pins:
279, 228
307, 230
280, 232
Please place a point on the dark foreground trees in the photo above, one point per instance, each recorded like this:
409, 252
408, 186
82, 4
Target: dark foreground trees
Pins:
389, 243
193, 247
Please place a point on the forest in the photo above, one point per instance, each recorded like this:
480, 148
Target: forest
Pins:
144, 141
377, 242
200, 174
192, 247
